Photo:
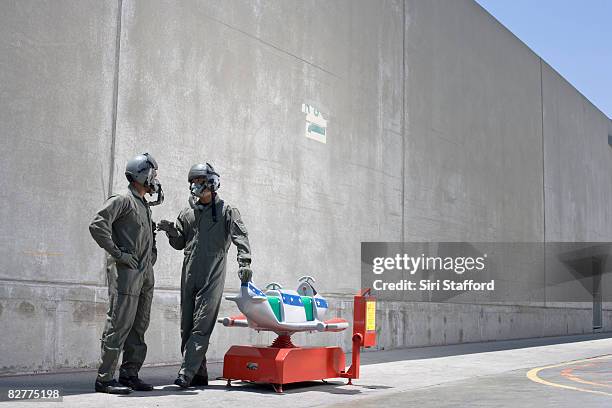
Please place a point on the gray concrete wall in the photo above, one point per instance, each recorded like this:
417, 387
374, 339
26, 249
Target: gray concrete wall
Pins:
225, 82
213, 81
491, 155
473, 151
577, 172
56, 80
578, 164
435, 133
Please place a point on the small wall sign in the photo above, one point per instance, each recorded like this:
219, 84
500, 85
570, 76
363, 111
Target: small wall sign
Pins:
316, 124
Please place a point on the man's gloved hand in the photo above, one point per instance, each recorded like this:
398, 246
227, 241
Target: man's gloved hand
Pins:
245, 273
128, 259
169, 228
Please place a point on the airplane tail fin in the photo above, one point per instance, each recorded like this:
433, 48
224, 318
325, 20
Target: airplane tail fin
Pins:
248, 290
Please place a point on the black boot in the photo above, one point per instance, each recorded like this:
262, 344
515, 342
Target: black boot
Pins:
111, 387
182, 381
199, 380
135, 383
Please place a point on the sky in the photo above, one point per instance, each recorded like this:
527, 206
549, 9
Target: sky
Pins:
572, 36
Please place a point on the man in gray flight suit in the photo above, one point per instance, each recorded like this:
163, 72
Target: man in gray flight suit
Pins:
204, 230
123, 227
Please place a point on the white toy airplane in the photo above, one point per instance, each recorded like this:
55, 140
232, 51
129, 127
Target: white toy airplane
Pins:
283, 311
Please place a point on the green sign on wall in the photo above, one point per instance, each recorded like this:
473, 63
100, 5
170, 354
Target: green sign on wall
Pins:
316, 124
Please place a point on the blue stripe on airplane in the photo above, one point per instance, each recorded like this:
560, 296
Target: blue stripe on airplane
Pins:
255, 290
292, 300
321, 303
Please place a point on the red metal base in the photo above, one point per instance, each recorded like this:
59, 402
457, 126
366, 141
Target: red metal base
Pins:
279, 366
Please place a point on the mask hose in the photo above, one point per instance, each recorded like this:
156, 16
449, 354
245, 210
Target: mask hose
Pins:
156, 188
214, 207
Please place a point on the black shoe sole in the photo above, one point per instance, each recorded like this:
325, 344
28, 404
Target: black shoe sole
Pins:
141, 389
135, 388
138, 388
181, 384
116, 392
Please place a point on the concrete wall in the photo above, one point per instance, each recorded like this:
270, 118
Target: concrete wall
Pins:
435, 133
56, 78
577, 172
223, 82
498, 147
578, 164
473, 128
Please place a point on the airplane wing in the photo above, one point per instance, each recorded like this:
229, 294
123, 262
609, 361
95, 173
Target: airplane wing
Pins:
335, 325
237, 321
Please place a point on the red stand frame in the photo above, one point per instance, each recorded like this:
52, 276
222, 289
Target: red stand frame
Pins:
284, 363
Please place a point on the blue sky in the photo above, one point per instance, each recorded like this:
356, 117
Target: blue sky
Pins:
574, 37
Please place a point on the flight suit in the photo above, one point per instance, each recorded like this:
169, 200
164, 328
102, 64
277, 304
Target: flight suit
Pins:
205, 244
124, 224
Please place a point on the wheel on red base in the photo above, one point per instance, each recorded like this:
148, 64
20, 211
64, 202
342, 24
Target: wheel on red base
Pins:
278, 388
229, 383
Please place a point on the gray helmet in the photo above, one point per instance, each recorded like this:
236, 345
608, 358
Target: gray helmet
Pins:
142, 169
207, 172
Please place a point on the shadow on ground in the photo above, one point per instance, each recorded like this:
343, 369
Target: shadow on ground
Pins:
162, 377
420, 353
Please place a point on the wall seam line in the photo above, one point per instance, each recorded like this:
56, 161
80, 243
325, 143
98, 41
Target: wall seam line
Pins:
115, 96
543, 174
403, 117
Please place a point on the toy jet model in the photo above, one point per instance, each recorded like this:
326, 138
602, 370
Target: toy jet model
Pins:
283, 311
290, 311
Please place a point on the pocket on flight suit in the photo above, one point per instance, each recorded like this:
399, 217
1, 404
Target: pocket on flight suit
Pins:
240, 226
129, 281
186, 260
186, 256
127, 278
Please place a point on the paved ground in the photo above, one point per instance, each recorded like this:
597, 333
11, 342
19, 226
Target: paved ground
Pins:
554, 372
